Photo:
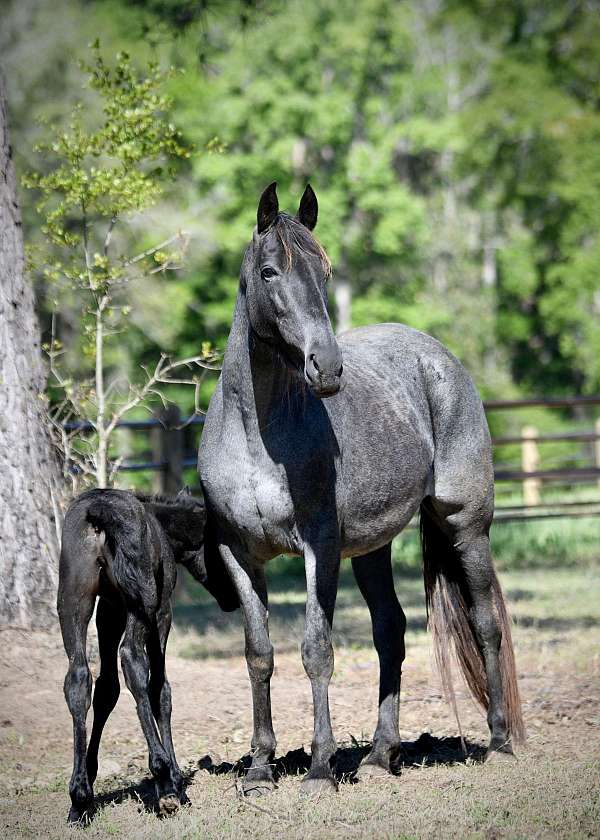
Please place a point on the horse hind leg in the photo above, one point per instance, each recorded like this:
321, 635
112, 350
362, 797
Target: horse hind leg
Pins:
465, 600
160, 692
74, 613
136, 666
110, 622
373, 573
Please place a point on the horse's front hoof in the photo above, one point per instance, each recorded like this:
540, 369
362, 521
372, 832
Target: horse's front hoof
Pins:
318, 786
168, 805
81, 816
257, 787
366, 772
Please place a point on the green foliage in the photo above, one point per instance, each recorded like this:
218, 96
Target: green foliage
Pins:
96, 179
453, 147
99, 175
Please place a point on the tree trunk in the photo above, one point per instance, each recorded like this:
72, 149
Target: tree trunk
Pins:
30, 483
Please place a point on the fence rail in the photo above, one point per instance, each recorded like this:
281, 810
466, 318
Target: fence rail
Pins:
171, 455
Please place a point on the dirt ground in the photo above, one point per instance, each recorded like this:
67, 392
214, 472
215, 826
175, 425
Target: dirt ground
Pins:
551, 790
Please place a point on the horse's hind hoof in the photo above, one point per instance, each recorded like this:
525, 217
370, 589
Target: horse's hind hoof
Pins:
168, 805
257, 787
318, 786
366, 772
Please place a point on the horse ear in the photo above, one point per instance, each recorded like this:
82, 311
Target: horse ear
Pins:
309, 208
268, 208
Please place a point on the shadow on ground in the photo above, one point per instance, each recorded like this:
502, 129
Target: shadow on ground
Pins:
426, 751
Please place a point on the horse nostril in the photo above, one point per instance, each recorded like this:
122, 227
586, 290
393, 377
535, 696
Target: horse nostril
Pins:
341, 370
313, 359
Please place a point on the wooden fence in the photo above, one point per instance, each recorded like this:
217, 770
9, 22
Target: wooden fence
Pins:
173, 443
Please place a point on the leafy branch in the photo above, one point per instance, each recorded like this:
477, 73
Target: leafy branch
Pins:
94, 180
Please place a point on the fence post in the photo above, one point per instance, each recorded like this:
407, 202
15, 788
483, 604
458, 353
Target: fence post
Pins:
530, 462
167, 446
597, 446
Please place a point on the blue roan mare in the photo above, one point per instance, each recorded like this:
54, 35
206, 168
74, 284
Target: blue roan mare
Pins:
285, 470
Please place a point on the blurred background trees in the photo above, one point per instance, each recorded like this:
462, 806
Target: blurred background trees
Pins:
453, 145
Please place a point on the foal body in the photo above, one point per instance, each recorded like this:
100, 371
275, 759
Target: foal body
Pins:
122, 550
285, 471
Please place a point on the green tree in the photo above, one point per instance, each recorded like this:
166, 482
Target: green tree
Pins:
98, 178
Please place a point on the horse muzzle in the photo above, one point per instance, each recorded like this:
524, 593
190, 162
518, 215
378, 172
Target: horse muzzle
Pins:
323, 370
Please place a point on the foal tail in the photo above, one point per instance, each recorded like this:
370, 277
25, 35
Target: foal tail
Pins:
124, 527
448, 621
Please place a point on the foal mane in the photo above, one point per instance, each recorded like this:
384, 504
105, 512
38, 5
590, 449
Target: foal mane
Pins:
187, 502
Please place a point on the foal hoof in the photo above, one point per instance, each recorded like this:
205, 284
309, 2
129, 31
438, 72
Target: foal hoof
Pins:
253, 788
168, 805
366, 772
318, 786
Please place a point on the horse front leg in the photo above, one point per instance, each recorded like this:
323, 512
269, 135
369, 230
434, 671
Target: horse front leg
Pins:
322, 562
252, 592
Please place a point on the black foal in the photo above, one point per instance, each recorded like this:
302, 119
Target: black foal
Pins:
123, 549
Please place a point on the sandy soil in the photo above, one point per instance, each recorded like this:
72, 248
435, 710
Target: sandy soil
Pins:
551, 791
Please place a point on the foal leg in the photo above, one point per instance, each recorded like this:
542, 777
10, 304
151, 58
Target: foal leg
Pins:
252, 591
135, 664
373, 573
75, 612
322, 565
160, 690
110, 621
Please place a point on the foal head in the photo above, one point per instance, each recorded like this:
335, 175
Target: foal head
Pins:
184, 522
285, 272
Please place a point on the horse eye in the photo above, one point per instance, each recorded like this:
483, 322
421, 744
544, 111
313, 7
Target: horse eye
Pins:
268, 273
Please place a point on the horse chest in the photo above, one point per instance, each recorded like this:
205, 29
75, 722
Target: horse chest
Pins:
250, 496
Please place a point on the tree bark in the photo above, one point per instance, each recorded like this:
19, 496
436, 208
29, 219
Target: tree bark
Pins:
30, 481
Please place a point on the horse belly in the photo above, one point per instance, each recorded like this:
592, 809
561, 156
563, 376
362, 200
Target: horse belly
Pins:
378, 502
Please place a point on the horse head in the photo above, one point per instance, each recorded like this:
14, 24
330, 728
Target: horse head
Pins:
284, 276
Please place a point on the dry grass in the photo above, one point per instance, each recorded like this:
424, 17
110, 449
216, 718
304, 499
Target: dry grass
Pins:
552, 790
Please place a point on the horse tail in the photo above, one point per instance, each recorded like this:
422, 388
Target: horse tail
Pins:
125, 530
450, 626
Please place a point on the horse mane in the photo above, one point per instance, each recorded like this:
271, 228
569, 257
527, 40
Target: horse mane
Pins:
293, 234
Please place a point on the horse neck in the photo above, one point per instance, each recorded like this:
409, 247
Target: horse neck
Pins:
256, 380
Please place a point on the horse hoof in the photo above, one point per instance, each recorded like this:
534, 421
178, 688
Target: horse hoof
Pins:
318, 786
366, 772
80, 817
253, 788
168, 805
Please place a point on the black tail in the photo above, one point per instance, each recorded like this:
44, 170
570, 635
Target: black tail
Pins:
125, 529
448, 620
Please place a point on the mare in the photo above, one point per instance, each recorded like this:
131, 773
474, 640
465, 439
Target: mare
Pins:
326, 447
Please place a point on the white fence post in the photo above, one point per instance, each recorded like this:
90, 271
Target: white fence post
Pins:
530, 462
